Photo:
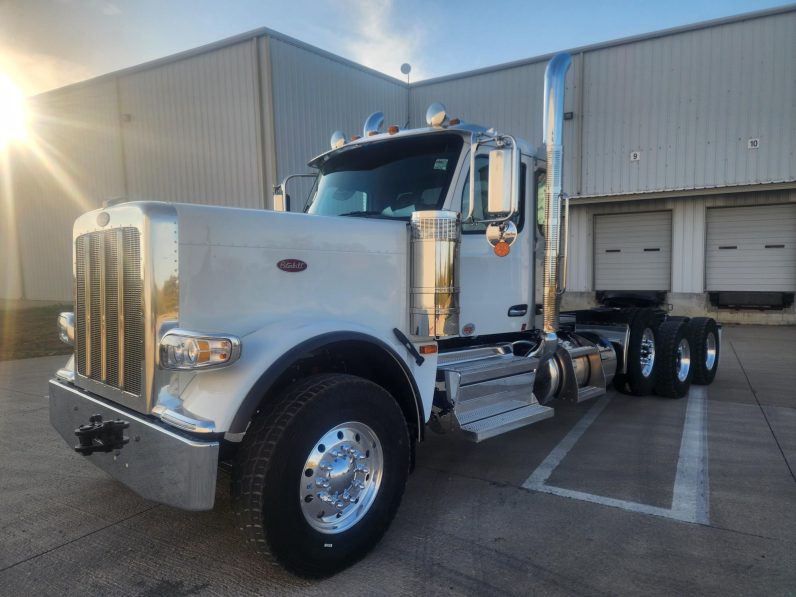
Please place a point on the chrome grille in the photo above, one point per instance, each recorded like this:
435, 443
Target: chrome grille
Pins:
109, 320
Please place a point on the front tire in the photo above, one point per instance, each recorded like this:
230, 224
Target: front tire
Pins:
320, 476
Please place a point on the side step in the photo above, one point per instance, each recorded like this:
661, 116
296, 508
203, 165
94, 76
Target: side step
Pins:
496, 367
493, 394
505, 421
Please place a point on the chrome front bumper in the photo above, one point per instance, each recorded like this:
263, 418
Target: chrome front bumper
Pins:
156, 463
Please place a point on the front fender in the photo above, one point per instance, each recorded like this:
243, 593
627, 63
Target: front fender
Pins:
224, 396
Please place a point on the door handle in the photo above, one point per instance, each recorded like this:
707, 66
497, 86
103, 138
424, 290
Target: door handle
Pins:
518, 310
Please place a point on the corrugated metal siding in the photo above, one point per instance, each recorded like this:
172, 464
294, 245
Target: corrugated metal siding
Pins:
633, 251
315, 95
581, 244
688, 233
10, 282
70, 166
751, 248
689, 103
192, 134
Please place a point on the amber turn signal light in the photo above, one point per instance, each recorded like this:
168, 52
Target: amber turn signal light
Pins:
502, 249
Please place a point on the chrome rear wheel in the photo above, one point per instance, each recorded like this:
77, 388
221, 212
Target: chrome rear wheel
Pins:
674, 370
703, 332
710, 350
683, 359
647, 352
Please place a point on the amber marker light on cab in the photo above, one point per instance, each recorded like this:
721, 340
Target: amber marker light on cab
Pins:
502, 249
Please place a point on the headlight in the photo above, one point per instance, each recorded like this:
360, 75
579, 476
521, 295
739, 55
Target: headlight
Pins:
181, 349
66, 328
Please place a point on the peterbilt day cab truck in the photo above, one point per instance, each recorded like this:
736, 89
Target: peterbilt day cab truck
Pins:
311, 350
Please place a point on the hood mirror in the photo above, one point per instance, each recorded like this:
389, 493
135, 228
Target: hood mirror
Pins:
281, 199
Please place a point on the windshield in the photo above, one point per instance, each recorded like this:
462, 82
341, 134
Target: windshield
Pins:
387, 180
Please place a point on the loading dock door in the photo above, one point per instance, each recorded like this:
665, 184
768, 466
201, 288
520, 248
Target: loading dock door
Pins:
633, 251
751, 248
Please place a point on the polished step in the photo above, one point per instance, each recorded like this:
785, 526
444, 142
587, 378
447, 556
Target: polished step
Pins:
522, 383
491, 391
488, 405
471, 354
497, 424
476, 371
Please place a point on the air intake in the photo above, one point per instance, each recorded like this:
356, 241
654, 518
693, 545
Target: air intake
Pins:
434, 307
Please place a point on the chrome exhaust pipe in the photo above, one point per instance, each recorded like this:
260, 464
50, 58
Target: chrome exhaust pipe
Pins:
554, 78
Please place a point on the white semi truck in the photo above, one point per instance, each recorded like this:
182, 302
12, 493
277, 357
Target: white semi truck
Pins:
311, 350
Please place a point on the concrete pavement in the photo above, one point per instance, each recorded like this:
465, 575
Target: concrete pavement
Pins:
466, 524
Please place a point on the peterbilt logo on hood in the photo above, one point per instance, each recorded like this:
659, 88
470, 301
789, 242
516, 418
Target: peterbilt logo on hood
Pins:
292, 265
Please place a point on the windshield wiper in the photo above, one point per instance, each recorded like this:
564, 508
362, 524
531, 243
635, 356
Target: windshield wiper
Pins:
368, 214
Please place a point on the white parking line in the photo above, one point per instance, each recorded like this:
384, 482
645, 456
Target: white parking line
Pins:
549, 464
690, 498
691, 492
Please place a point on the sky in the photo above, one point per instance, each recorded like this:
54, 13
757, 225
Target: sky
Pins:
50, 43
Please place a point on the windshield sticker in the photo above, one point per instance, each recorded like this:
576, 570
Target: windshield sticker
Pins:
441, 164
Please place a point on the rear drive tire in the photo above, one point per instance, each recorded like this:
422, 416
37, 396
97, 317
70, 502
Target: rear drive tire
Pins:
674, 374
320, 477
704, 334
639, 380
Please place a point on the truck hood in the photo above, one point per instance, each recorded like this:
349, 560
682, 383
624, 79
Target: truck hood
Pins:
242, 269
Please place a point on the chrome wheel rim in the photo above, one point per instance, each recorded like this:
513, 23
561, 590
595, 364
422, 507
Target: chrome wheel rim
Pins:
683, 359
647, 352
710, 351
341, 477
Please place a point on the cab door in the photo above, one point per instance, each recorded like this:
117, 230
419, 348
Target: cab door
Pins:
495, 292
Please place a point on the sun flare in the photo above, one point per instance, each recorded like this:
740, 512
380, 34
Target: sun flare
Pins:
12, 112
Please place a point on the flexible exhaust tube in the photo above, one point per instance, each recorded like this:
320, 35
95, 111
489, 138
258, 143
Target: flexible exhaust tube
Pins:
554, 78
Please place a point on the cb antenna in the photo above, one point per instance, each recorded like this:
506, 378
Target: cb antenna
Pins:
406, 68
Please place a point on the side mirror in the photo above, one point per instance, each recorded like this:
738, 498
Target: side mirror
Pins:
281, 199
501, 164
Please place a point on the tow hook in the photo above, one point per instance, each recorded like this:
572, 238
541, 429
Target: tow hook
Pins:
101, 436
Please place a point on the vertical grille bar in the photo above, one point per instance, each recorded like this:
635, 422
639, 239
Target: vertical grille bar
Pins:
80, 303
93, 308
111, 307
87, 304
119, 244
133, 311
103, 354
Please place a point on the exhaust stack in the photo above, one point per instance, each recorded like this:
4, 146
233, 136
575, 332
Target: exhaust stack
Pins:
554, 77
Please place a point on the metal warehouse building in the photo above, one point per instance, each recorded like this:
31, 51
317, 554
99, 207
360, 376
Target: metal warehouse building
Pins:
680, 152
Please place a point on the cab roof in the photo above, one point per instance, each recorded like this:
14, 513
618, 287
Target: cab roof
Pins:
463, 128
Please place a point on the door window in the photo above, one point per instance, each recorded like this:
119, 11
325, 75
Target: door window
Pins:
541, 190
